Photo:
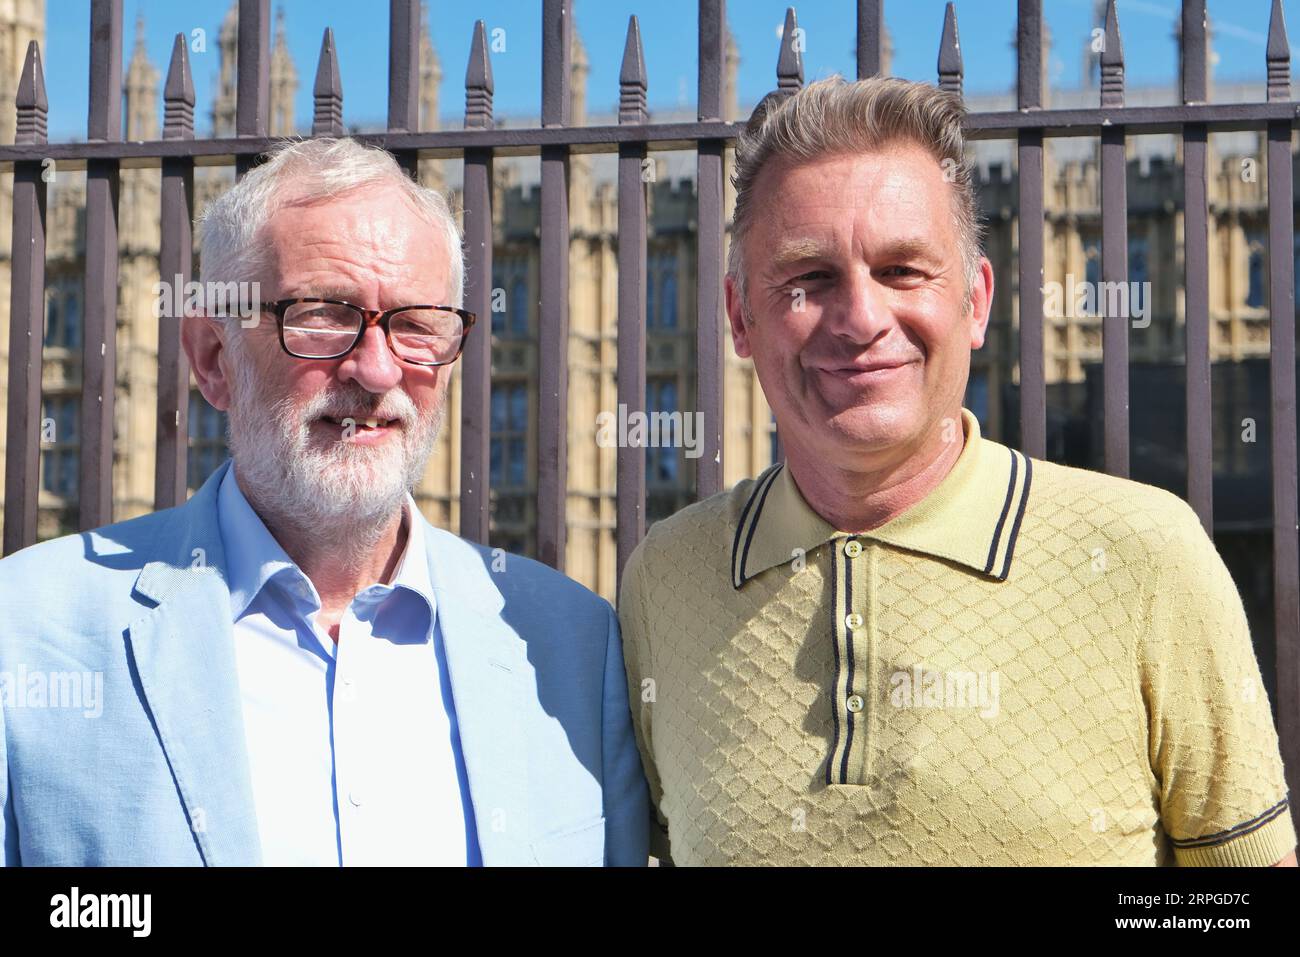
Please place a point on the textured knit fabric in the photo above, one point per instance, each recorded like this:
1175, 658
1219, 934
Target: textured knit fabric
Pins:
1034, 665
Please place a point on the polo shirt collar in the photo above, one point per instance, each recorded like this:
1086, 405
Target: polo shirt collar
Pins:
972, 517
255, 558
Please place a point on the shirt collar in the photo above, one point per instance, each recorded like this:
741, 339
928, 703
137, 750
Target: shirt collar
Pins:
972, 517
254, 558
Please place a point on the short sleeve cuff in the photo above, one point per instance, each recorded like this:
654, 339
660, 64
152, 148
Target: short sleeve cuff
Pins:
659, 843
1260, 842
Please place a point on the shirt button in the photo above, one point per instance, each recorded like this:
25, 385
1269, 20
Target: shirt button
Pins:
355, 798
855, 703
853, 549
853, 620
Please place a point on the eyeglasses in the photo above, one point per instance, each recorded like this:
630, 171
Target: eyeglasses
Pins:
312, 328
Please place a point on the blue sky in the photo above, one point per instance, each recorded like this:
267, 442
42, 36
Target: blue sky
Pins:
668, 32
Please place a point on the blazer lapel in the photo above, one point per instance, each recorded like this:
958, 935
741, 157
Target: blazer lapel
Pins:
491, 683
183, 651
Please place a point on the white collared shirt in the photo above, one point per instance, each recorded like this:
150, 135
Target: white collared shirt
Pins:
353, 749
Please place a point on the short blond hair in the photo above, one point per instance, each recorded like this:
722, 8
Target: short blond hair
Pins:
833, 117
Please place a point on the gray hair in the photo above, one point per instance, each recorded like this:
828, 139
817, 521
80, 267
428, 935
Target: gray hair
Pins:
302, 171
833, 117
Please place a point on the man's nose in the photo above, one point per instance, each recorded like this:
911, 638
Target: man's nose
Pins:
861, 311
372, 364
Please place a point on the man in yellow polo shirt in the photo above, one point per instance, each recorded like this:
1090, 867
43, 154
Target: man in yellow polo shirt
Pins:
908, 644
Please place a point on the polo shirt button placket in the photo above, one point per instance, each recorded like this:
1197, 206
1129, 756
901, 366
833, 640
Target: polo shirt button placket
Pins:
850, 636
855, 703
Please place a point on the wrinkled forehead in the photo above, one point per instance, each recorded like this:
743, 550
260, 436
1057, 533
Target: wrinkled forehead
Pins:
373, 210
899, 167
372, 229
899, 191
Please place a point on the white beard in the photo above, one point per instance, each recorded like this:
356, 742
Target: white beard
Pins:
285, 471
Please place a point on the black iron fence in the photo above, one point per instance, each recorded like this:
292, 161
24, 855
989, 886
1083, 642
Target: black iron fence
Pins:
105, 153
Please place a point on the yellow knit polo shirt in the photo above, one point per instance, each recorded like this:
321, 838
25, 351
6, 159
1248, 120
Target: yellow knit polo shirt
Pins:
1034, 665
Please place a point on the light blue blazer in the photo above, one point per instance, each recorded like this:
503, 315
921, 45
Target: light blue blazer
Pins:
160, 776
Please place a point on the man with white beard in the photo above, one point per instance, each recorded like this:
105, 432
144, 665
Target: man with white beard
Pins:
298, 668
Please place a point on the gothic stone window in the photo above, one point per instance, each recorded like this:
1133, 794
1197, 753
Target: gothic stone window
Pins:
60, 444
207, 440
63, 313
508, 465
1256, 274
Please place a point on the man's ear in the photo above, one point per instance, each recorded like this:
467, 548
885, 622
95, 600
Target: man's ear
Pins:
981, 303
204, 344
736, 318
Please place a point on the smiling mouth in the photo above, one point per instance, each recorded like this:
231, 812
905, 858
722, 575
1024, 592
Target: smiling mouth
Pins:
359, 422
849, 371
